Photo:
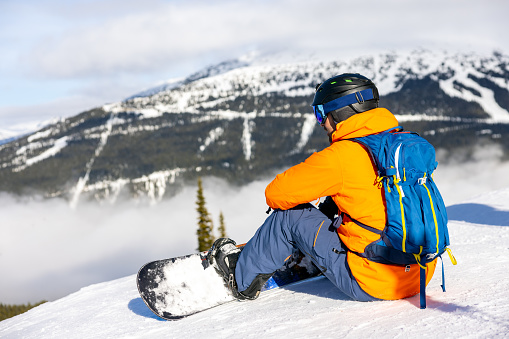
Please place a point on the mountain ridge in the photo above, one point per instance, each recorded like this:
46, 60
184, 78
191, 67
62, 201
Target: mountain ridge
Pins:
247, 118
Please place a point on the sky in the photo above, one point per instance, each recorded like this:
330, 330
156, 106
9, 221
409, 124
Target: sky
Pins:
61, 57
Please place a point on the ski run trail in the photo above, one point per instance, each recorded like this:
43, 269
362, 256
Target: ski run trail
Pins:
475, 305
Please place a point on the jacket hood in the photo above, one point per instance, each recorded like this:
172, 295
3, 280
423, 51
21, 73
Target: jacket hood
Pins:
365, 123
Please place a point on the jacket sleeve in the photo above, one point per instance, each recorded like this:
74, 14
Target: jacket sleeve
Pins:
318, 176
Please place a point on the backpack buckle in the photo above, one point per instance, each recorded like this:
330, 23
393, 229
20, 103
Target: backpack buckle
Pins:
421, 181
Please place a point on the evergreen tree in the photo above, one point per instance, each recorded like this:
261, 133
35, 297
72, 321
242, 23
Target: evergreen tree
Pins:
205, 226
222, 228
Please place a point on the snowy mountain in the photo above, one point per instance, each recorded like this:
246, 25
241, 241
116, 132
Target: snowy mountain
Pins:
246, 118
476, 304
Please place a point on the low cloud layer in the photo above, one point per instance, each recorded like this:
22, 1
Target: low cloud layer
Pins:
48, 249
459, 180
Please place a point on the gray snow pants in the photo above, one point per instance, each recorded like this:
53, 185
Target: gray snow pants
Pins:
306, 228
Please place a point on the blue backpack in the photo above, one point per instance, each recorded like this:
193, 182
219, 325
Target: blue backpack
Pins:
416, 230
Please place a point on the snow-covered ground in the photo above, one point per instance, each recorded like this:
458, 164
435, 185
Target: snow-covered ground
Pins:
476, 304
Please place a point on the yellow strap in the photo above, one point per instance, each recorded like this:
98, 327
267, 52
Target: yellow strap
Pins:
451, 256
433, 211
403, 225
418, 259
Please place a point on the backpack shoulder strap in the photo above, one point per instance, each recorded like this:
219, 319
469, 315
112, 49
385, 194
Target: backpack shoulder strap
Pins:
373, 144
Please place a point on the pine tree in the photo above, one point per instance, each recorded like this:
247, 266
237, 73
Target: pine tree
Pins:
205, 226
221, 228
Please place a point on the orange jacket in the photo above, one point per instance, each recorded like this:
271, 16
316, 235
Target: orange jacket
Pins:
345, 172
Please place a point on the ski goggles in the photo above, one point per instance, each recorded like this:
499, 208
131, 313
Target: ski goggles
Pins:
320, 114
321, 111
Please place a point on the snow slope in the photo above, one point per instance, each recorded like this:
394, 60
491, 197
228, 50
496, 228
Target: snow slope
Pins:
476, 304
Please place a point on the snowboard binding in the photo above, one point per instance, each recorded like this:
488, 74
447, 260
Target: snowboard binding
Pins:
223, 256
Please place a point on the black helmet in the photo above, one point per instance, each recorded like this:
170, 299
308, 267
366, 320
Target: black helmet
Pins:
356, 91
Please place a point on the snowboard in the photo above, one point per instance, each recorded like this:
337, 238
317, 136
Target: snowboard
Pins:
178, 287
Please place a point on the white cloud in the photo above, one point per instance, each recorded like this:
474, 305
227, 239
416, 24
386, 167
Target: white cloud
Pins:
459, 179
55, 50
48, 249
154, 38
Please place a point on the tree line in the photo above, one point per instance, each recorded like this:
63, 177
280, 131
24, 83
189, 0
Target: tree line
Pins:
205, 232
9, 311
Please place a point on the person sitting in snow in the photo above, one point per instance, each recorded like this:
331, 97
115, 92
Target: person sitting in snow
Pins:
346, 106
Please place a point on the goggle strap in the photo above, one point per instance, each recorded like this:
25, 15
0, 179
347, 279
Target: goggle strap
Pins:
354, 98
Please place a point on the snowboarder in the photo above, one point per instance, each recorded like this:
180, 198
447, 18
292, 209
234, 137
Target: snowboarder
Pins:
351, 217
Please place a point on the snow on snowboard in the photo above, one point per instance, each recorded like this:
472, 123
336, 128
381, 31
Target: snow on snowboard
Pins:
178, 287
